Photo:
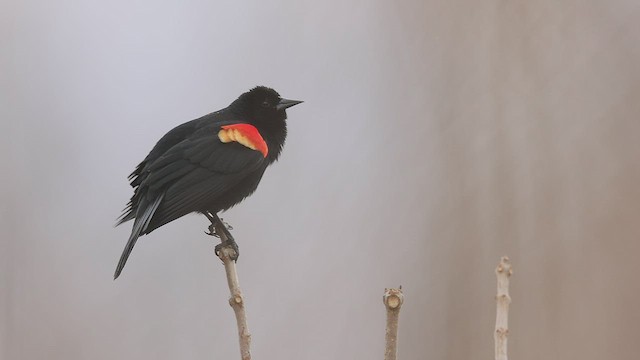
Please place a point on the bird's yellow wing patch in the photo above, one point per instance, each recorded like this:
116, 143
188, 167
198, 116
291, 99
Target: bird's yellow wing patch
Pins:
244, 134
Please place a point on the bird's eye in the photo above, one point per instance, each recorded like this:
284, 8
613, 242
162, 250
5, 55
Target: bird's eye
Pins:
265, 104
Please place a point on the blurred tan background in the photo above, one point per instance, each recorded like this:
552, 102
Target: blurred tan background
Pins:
435, 137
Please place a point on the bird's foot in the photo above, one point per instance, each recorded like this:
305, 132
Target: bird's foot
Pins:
212, 231
222, 232
226, 224
212, 227
230, 243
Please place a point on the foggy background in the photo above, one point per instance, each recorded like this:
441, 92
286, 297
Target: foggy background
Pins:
435, 137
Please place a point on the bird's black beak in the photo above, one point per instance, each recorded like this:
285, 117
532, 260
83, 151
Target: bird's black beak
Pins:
286, 103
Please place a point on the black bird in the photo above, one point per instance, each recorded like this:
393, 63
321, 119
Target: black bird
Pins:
206, 165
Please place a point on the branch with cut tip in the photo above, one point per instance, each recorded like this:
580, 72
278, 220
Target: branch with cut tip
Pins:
503, 273
393, 299
226, 254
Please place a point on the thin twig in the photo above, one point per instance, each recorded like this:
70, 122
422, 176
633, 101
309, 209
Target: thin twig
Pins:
236, 300
393, 299
503, 272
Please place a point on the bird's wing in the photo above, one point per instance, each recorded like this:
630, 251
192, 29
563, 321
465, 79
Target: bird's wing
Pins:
137, 177
193, 173
169, 140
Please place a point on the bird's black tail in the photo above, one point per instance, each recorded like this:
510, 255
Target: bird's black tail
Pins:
139, 227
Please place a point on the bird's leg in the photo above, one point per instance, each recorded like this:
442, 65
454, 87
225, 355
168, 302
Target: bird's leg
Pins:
219, 228
212, 228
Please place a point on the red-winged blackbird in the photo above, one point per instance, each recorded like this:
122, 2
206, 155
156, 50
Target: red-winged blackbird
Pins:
208, 164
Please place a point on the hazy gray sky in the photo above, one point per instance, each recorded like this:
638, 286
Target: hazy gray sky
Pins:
435, 137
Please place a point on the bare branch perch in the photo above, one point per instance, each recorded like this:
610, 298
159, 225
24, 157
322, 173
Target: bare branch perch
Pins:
393, 299
503, 273
236, 300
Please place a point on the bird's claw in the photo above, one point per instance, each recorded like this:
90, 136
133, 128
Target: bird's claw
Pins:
212, 231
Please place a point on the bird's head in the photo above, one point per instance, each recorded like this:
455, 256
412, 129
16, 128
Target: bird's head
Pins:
263, 104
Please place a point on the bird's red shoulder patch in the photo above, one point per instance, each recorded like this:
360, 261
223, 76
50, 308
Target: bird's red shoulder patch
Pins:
244, 134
